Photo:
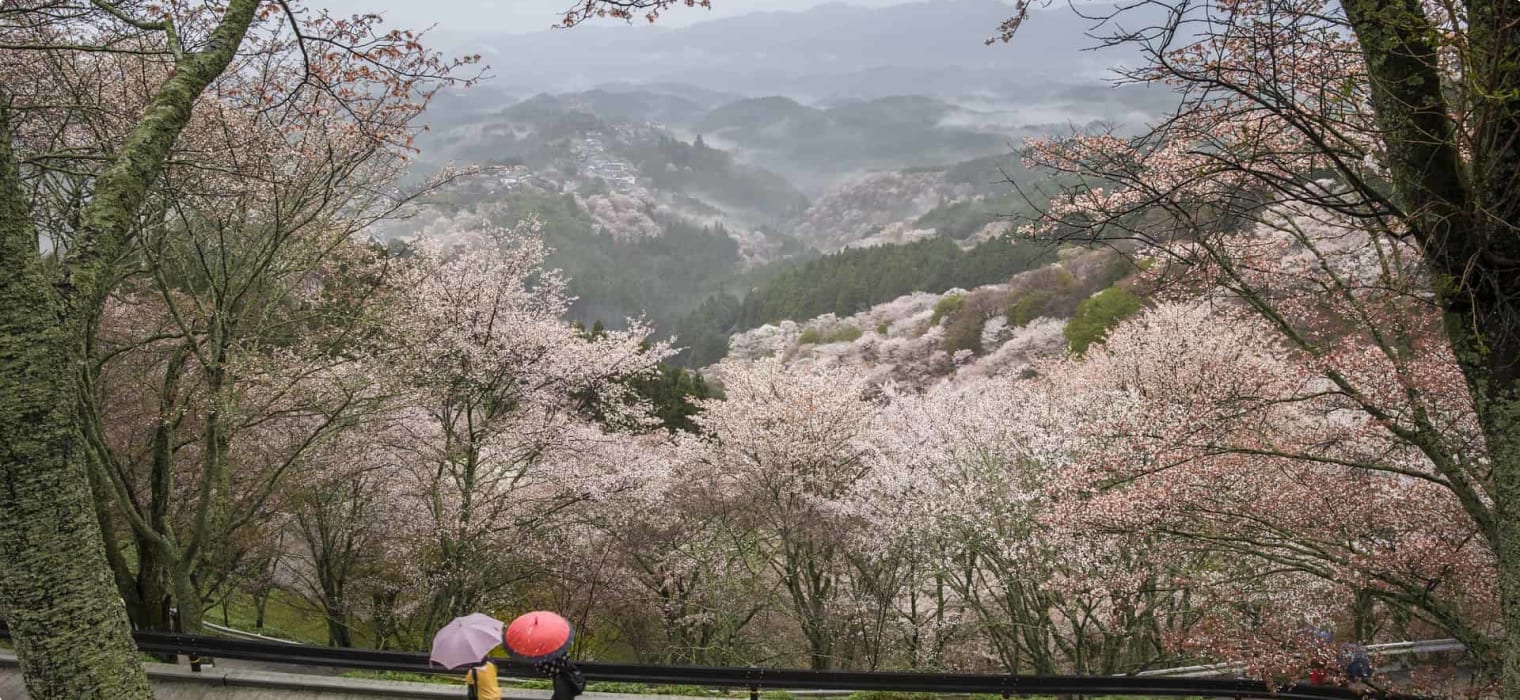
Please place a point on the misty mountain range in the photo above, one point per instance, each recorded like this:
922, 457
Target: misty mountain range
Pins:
813, 145
832, 51
672, 166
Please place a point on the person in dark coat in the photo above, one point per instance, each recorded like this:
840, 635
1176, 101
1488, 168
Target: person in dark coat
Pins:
568, 681
1358, 665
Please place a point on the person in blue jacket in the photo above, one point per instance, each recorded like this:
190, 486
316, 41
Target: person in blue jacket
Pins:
1358, 665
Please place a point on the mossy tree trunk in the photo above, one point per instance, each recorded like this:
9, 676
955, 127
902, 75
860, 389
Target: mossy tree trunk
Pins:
56, 593
56, 588
1461, 201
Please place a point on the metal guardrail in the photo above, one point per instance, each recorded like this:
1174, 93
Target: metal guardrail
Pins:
758, 679
240, 634
1388, 649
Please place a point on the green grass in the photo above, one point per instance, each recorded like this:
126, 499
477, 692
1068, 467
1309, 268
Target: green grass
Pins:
284, 618
690, 690
886, 695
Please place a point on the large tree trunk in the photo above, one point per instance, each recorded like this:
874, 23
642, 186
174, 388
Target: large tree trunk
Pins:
1487, 340
56, 587
57, 594
810, 588
1504, 451
1465, 218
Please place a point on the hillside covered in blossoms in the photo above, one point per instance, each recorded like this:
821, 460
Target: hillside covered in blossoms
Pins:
741, 341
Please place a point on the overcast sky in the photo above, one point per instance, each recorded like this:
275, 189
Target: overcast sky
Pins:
516, 16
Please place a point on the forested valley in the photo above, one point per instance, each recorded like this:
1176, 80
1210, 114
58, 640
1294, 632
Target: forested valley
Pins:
912, 346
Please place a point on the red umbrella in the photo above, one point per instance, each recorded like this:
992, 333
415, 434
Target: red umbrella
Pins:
538, 636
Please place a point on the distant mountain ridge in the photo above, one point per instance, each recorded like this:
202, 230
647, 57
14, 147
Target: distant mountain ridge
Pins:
880, 171
830, 51
815, 147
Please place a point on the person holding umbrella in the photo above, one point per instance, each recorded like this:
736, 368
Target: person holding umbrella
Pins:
543, 639
568, 681
480, 682
469, 640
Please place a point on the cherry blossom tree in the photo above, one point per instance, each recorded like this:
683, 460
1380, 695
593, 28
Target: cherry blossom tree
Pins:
354, 534
680, 587
1380, 122
1207, 433
783, 450
1354, 312
969, 476
70, 637
582, 10
262, 302
500, 424
256, 57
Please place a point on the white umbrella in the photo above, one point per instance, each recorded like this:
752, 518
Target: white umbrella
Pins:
466, 640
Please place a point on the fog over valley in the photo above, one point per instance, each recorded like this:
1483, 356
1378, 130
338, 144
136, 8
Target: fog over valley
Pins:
673, 166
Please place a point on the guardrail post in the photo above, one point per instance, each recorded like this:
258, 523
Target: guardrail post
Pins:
753, 675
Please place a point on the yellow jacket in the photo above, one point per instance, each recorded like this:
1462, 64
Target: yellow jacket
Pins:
481, 682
